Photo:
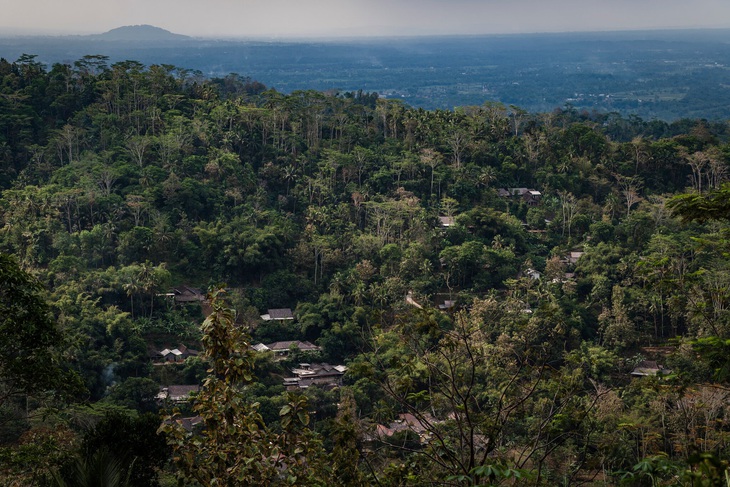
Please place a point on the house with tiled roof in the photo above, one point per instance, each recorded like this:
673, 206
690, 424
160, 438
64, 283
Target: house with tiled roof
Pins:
278, 314
649, 368
187, 294
178, 354
177, 393
446, 221
420, 425
282, 349
322, 375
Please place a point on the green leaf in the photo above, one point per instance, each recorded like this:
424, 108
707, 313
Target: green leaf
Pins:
303, 417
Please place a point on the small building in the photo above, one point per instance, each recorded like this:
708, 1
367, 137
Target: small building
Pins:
322, 375
648, 368
405, 422
532, 197
411, 422
567, 277
282, 349
177, 393
190, 423
573, 257
186, 294
518, 192
173, 355
178, 354
278, 314
446, 221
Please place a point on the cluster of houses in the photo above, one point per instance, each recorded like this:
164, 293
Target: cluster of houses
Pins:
303, 376
320, 374
423, 424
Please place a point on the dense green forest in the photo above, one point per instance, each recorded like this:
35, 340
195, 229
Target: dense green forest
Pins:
518, 298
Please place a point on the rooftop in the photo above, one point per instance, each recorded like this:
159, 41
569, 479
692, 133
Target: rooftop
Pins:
647, 368
177, 393
278, 314
287, 345
446, 221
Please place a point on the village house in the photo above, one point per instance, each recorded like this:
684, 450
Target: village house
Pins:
572, 257
190, 423
567, 277
531, 196
446, 221
177, 393
322, 375
178, 354
278, 314
282, 349
649, 368
405, 422
186, 294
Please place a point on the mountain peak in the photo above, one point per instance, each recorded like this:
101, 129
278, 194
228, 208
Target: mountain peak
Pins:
140, 33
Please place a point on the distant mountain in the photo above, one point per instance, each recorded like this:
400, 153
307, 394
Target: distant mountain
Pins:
140, 33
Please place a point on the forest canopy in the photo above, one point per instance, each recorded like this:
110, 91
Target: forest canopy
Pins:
492, 294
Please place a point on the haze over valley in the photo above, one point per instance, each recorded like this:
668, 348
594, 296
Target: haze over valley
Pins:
653, 74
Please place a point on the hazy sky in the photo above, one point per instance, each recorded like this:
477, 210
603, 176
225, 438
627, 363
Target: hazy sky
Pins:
295, 18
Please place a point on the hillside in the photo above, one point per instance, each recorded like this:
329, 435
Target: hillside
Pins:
411, 297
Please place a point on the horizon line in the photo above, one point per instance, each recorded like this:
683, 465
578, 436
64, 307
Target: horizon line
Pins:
336, 37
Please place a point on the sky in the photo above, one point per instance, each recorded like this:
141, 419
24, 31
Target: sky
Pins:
349, 18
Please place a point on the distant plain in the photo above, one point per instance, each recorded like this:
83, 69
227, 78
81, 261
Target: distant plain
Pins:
651, 74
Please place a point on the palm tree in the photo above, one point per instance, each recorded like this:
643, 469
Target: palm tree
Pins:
487, 176
99, 469
132, 288
150, 279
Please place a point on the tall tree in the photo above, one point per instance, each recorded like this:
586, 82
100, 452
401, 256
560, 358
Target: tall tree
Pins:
31, 344
236, 447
